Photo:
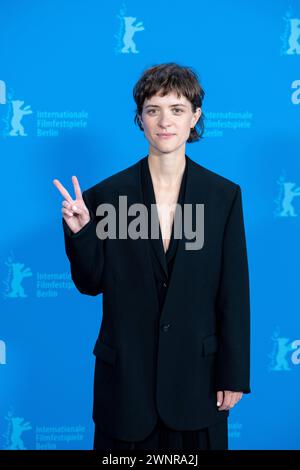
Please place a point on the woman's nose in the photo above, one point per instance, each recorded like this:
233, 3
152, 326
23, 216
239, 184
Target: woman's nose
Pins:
164, 121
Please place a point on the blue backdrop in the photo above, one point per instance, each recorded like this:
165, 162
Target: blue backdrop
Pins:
66, 108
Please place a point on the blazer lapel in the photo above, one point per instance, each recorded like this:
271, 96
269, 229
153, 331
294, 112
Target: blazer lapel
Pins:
133, 190
148, 197
181, 268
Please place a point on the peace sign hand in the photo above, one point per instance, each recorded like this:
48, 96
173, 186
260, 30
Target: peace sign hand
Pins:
75, 212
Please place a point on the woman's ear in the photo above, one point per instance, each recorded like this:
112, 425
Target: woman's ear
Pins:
197, 115
141, 122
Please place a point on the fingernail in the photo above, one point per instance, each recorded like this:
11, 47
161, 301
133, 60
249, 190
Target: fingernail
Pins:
74, 208
218, 403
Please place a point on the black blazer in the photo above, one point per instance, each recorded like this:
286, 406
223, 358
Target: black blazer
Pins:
170, 362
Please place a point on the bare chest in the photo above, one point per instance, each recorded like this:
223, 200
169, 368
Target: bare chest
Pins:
166, 204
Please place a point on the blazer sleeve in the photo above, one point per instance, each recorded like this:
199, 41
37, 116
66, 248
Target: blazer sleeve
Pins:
233, 306
85, 253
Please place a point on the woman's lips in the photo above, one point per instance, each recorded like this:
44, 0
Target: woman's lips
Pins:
165, 136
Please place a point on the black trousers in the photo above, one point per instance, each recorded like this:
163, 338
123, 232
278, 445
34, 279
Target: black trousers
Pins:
163, 438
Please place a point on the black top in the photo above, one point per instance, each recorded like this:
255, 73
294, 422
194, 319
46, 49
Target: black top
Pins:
158, 255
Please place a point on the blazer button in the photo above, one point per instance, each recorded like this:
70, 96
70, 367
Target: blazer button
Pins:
164, 284
165, 328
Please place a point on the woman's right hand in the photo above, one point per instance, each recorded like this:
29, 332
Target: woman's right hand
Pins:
74, 212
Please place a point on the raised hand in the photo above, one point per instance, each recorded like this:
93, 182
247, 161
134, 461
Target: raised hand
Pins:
75, 212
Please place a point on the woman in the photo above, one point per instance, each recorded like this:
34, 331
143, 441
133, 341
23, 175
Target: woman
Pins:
173, 350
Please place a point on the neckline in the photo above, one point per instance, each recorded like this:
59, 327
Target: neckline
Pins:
180, 200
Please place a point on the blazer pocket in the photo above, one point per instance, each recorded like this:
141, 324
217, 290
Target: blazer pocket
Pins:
105, 352
210, 345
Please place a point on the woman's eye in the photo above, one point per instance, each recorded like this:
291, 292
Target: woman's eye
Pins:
153, 110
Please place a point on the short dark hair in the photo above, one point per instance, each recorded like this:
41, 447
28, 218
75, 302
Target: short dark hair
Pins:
167, 78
